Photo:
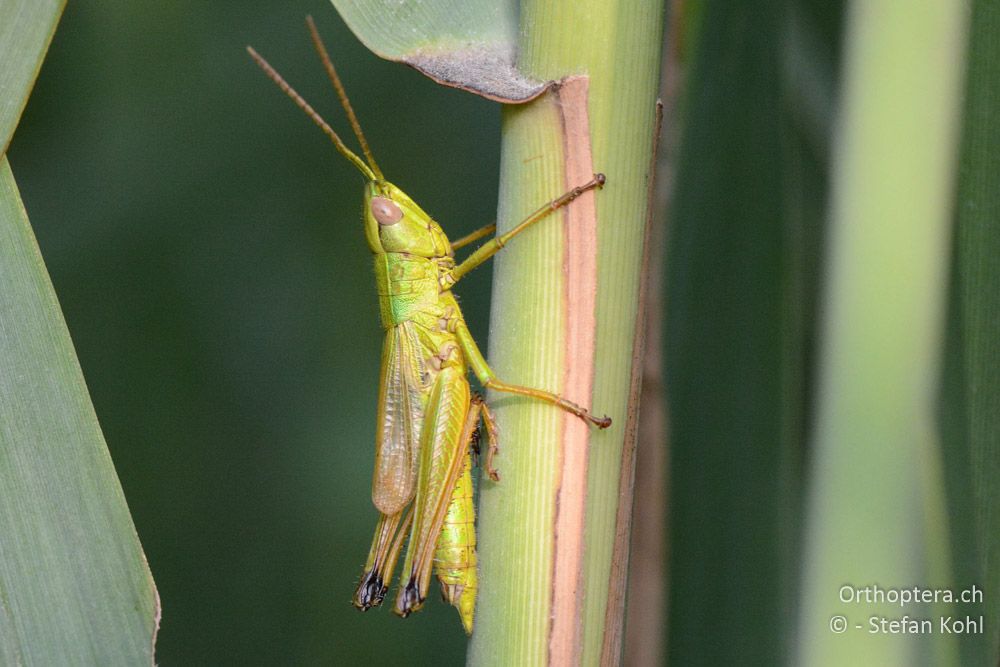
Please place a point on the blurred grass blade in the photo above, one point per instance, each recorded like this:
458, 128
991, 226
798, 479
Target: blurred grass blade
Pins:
74, 584
26, 28
742, 273
468, 44
875, 478
971, 393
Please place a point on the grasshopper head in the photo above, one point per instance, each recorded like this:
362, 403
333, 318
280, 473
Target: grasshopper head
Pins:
395, 223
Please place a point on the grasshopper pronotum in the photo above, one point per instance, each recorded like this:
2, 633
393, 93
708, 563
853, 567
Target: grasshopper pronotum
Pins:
427, 413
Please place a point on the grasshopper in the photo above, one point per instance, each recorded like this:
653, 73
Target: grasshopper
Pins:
427, 414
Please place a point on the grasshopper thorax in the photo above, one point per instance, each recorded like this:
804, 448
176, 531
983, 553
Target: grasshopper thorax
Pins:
394, 223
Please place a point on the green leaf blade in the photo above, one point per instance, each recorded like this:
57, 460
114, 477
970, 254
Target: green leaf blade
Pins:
74, 584
970, 396
26, 28
467, 44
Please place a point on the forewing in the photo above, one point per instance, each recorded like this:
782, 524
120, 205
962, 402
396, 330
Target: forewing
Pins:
400, 417
448, 427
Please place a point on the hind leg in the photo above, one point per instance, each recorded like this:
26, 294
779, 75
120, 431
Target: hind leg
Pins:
447, 429
388, 542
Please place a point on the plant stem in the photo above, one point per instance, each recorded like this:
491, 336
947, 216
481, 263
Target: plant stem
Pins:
535, 333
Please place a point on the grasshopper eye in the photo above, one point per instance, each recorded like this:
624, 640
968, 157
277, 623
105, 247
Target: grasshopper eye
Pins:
385, 211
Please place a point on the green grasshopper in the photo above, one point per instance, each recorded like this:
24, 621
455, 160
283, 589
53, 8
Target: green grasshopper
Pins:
427, 414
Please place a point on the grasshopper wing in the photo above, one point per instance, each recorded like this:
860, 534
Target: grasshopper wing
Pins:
400, 418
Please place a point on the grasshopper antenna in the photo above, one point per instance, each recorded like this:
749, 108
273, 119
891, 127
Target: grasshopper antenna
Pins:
316, 118
331, 71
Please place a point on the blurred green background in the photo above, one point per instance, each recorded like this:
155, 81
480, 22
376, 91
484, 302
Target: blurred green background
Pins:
743, 274
205, 242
